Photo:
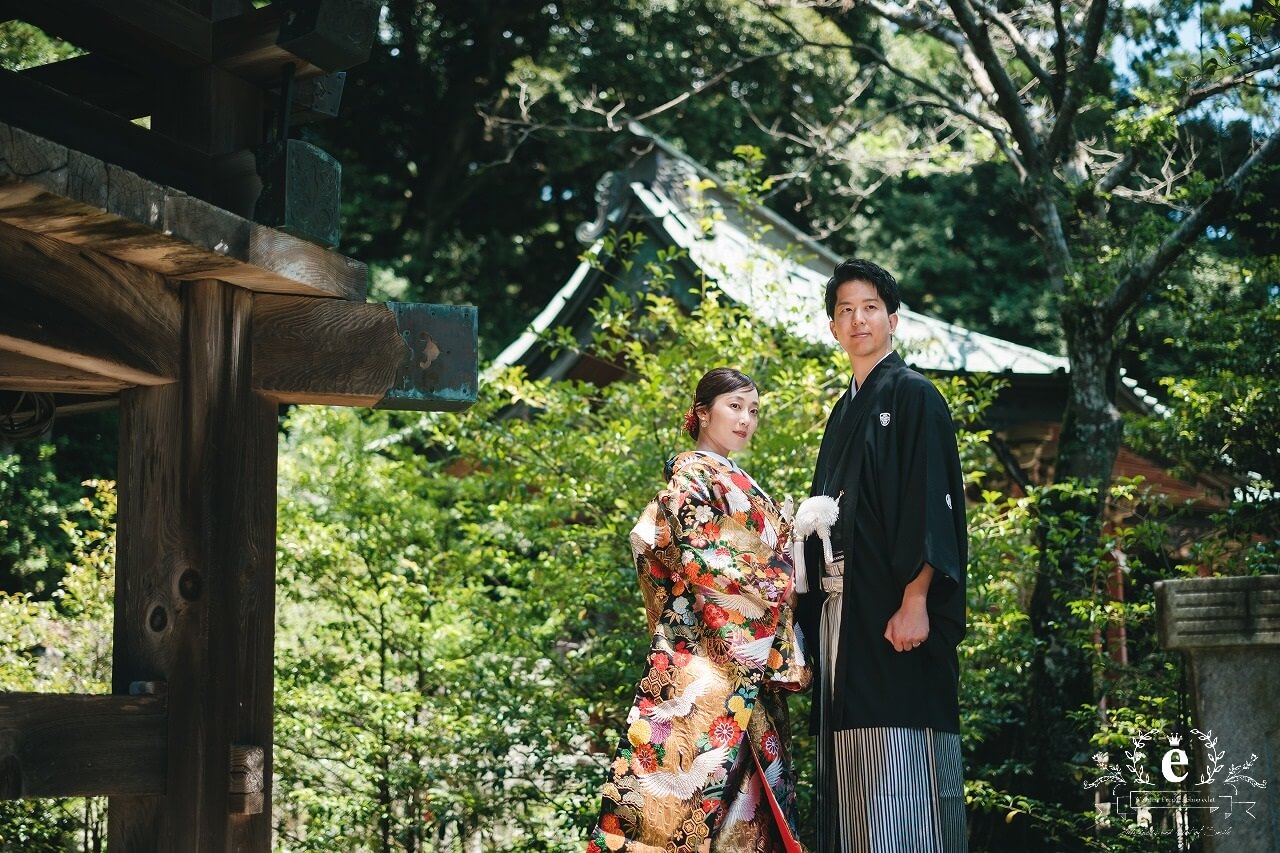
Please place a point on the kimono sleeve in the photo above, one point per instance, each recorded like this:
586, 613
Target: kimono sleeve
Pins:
930, 520
719, 555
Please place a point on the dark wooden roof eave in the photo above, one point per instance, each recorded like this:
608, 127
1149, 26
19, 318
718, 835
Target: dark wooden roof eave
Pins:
92, 258
53, 190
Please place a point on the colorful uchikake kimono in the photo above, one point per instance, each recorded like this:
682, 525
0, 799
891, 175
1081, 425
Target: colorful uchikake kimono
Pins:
705, 763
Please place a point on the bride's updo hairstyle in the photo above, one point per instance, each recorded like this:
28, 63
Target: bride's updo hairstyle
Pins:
721, 380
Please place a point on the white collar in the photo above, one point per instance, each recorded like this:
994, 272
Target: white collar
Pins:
733, 466
725, 459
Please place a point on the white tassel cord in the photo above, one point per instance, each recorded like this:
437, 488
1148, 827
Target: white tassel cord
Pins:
817, 514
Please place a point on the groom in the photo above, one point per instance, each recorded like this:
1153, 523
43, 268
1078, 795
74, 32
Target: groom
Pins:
889, 610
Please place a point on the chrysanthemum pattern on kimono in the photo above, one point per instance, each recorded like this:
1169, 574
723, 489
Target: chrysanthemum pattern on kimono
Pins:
704, 762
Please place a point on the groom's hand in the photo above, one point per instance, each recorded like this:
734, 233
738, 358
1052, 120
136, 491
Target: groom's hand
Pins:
909, 627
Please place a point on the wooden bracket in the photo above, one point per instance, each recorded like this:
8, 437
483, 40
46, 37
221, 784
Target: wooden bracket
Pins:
247, 779
393, 356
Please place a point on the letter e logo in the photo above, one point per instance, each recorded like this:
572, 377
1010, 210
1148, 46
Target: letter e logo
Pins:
1173, 758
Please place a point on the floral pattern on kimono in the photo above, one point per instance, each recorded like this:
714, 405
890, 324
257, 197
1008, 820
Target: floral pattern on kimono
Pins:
704, 763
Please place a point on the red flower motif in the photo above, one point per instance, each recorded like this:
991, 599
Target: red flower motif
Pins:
764, 629
711, 530
610, 824
724, 731
660, 661
646, 758
714, 615
771, 745
682, 654
646, 705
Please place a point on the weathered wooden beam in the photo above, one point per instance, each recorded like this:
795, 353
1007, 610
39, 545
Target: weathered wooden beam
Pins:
23, 373
76, 308
100, 81
60, 118
78, 745
204, 118
247, 45
159, 36
393, 356
195, 593
48, 188
211, 110
150, 33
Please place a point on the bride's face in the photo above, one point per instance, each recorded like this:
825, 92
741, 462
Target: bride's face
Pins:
730, 421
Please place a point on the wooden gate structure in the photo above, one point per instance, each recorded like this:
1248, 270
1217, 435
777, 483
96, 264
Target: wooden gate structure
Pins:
184, 271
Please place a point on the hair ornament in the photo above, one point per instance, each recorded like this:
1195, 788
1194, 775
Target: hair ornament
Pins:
691, 421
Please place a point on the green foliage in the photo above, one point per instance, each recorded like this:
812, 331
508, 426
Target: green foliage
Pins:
62, 644
1223, 415
32, 546
1219, 415
23, 46
40, 488
1007, 540
459, 626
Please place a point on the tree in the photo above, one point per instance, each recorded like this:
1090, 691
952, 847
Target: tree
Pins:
459, 628
1115, 199
61, 643
473, 185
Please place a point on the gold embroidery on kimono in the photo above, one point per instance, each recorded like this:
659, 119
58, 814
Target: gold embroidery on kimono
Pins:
705, 763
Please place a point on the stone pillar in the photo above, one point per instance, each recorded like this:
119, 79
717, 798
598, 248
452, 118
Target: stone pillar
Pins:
1229, 629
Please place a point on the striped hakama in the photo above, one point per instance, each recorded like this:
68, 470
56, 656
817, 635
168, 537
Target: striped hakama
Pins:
897, 790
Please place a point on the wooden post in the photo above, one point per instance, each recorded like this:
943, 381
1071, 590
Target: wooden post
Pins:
195, 595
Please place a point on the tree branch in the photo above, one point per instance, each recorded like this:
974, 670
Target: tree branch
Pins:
1059, 52
1118, 172
1143, 274
1008, 99
1195, 97
934, 28
950, 103
1064, 124
527, 125
1020, 46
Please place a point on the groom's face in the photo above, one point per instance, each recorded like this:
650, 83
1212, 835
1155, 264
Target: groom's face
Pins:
861, 325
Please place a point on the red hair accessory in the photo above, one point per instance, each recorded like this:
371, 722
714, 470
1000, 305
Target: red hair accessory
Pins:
690, 422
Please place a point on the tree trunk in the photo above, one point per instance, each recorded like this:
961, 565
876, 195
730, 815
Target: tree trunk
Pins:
1069, 531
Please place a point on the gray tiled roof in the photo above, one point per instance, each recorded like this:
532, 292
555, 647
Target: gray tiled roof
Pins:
762, 261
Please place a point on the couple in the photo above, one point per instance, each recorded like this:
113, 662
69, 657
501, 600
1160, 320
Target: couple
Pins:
705, 761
